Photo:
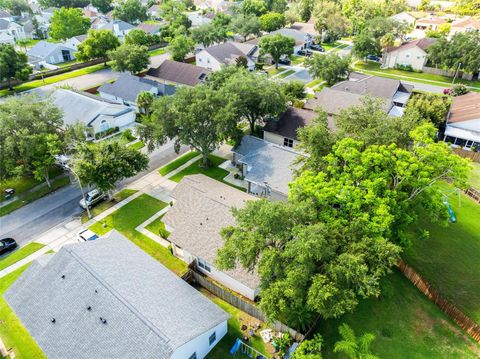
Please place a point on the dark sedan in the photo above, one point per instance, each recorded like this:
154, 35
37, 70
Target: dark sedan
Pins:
304, 53
317, 48
7, 245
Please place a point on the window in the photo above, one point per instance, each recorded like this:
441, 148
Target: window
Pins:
288, 142
212, 338
104, 126
203, 264
193, 356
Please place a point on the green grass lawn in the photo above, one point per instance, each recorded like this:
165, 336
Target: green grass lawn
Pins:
406, 324
475, 176
314, 83
103, 206
157, 52
173, 165
286, 73
450, 258
339, 47
213, 171
138, 145
158, 227
19, 254
12, 331
238, 318
130, 216
272, 71
330, 45
32, 196
297, 60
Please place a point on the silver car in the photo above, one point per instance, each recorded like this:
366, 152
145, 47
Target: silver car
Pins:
92, 198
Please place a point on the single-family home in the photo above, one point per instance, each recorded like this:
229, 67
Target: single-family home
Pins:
215, 5
10, 32
463, 121
109, 299
464, 25
404, 17
150, 28
119, 28
127, 87
90, 13
155, 11
394, 93
197, 19
99, 115
5, 15
413, 53
305, 27
178, 73
202, 207
302, 39
216, 56
73, 42
283, 131
51, 53
267, 168
429, 23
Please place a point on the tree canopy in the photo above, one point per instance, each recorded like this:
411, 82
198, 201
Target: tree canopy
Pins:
131, 11
329, 67
103, 6
97, 45
68, 22
245, 25
13, 64
180, 46
64, 3
276, 45
254, 7
272, 21
132, 58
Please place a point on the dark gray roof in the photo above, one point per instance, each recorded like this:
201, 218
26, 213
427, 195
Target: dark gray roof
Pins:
122, 25
374, 86
227, 52
333, 101
290, 121
148, 309
179, 72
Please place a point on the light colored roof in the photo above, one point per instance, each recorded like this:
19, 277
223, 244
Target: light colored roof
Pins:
149, 28
202, 208
466, 23
227, 52
298, 36
122, 25
43, 49
4, 24
148, 309
333, 101
306, 27
79, 107
432, 20
421, 43
267, 162
465, 108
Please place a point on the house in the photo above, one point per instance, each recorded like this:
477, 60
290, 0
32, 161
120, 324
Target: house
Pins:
149, 28
51, 53
202, 207
109, 299
10, 32
463, 121
99, 115
214, 5
154, 11
302, 39
284, 130
178, 73
305, 27
266, 167
119, 28
127, 87
5, 15
464, 25
342, 95
411, 53
429, 23
198, 19
404, 17
75, 41
214, 57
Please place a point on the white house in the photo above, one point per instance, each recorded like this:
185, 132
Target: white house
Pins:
404, 17
411, 53
10, 32
463, 121
201, 209
51, 53
198, 19
75, 41
214, 57
109, 299
120, 28
429, 23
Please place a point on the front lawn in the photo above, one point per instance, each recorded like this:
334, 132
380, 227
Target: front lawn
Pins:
103, 206
12, 331
180, 161
19, 254
330, 45
450, 258
406, 325
314, 83
137, 145
127, 218
158, 227
286, 73
296, 59
272, 71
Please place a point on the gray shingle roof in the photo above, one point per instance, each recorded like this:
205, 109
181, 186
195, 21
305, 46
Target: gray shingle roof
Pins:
179, 72
372, 85
43, 49
150, 312
290, 121
202, 208
227, 52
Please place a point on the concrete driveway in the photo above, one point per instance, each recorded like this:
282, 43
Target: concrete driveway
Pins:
301, 74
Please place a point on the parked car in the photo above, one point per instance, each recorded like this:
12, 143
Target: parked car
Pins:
283, 60
92, 198
7, 245
305, 53
86, 235
373, 58
317, 47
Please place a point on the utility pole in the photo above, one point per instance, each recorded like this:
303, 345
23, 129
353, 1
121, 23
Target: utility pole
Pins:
456, 73
81, 189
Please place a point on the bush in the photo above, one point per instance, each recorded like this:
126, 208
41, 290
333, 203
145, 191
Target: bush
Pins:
459, 90
404, 67
127, 135
106, 133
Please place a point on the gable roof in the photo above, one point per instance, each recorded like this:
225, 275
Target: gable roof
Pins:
420, 43
333, 101
297, 35
374, 86
202, 208
43, 49
227, 52
122, 25
4, 24
149, 28
465, 108
466, 23
290, 121
431, 20
146, 306
306, 27
179, 72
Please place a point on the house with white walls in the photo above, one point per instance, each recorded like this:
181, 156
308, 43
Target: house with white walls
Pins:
413, 53
227, 53
463, 121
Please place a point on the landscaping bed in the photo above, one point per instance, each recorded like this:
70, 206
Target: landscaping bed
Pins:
19, 254
172, 166
103, 206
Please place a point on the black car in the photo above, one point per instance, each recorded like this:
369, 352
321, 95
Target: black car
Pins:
317, 48
284, 60
305, 53
373, 58
7, 245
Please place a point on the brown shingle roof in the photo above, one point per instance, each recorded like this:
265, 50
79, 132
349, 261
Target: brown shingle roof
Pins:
465, 108
421, 43
290, 121
464, 23
433, 20
179, 72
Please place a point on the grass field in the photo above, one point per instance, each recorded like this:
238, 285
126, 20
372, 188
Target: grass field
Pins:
127, 218
286, 73
157, 52
272, 71
158, 227
103, 206
172, 166
138, 145
406, 324
296, 59
475, 175
450, 258
12, 331
19, 254
314, 83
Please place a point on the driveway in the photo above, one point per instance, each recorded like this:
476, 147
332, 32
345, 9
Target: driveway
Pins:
301, 74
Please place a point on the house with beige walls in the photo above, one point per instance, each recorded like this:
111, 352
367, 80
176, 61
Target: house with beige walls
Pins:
411, 53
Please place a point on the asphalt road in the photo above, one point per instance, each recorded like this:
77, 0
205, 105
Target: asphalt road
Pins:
30, 221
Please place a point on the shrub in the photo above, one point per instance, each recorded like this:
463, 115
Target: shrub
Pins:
404, 67
106, 133
127, 135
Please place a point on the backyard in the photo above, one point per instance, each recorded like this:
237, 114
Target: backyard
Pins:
475, 176
130, 216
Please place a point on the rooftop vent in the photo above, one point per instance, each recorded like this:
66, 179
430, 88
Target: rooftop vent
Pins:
53, 320
63, 276
89, 308
103, 320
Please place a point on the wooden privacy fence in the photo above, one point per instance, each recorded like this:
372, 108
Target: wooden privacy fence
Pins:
243, 305
467, 324
474, 156
473, 194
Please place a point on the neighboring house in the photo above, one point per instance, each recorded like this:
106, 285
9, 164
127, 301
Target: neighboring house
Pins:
5, 15
429, 23
127, 87
178, 73
215, 5
463, 121
198, 19
266, 167
214, 57
99, 115
394, 94
302, 39
109, 299
151, 29
411, 53
305, 27
464, 25
201, 209
90, 13
404, 17
120, 28
51, 53
10, 32
155, 11
284, 130
75, 41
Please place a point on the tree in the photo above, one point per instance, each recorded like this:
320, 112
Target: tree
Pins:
276, 45
131, 11
309, 349
97, 45
387, 41
272, 21
365, 44
64, 3
245, 26
131, 58
103, 6
138, 37
18, 6
145, 101
68, 22
254, 7
221, 19
353, 347
37, 32
208, 34
431, 107
294, 90
277, 6
44, 149
330, 67
178, 23
180, 46
467, 7
459, 90
103, 164
13, 65
199, 117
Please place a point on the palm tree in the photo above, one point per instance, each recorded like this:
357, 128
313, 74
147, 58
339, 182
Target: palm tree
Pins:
145, 101
353, 347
